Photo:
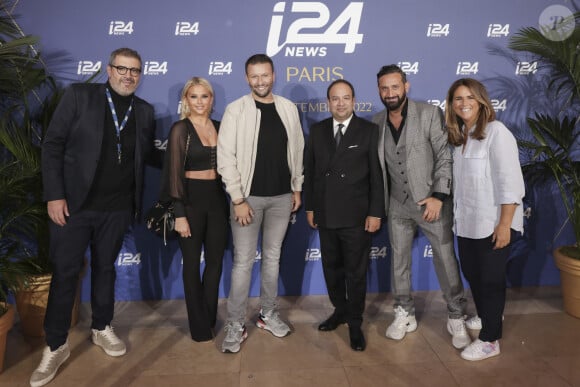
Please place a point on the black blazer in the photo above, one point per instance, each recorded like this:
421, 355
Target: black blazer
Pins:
72, 144
343, 186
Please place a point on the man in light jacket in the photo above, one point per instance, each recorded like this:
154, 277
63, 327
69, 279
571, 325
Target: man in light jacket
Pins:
259, 155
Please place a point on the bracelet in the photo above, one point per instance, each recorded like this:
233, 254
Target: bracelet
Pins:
237, 204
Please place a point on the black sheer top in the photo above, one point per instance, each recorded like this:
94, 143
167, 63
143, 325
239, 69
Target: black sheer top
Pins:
199, 157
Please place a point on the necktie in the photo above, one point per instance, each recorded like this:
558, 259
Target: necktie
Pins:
338, 135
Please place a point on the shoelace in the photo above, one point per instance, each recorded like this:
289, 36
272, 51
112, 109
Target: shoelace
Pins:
458, 328
232, 329
400, 315
273, 316
109, 334
46, 361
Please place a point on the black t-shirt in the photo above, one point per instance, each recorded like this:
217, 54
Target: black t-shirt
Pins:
271, 171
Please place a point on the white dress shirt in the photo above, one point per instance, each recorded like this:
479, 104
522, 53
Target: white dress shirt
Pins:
486, 175
335, 124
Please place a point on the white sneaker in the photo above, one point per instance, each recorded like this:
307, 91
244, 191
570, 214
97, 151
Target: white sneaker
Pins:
479, 350
108, 340
49, 365
473, 323
272, 322
402, 324
456, 328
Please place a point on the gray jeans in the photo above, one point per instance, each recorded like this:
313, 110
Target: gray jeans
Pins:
271, 217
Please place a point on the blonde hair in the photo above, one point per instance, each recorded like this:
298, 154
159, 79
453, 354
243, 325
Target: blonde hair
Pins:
486, 112
195, 81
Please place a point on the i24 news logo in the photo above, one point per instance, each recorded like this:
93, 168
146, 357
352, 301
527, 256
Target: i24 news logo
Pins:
120, 28
438, 102
409, 67
428, 252
526, 68
498, 30
436, 30
342, 30
186, 28
153, 67
87, 67
467, 68
376, 252
499, 104
129, 259
220, 68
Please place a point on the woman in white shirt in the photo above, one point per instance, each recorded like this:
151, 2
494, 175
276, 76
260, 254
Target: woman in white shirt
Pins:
488, 188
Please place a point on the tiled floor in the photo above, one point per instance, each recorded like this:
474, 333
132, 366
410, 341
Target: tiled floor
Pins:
541, 347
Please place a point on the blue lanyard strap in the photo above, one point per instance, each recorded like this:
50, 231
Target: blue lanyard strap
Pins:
118, 127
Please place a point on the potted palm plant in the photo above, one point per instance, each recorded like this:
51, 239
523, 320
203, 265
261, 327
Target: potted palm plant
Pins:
17, 219
554, 141
18, 215
28, 98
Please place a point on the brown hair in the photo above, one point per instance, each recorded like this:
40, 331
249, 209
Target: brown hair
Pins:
454, 123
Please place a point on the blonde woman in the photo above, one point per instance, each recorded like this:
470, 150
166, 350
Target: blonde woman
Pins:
191, 181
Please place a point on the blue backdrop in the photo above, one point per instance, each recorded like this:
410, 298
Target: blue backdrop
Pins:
311, 43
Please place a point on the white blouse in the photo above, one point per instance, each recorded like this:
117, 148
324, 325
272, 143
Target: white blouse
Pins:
486, 175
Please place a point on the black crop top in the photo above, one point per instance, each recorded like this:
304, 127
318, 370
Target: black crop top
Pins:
199, 158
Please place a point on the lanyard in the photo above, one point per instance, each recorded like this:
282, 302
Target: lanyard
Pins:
118, 127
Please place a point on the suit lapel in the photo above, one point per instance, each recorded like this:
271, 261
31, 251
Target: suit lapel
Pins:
411, 126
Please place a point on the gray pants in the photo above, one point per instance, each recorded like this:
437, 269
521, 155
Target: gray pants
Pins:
403, 220
271, 217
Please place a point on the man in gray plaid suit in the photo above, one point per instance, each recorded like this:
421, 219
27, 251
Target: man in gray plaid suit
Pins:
417, 170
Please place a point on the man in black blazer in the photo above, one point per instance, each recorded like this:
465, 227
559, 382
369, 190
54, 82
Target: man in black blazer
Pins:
343, 190
93, 155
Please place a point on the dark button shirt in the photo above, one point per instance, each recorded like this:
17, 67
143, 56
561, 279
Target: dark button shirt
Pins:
396, 132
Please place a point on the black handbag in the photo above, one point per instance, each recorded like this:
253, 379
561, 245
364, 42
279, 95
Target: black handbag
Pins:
160, 218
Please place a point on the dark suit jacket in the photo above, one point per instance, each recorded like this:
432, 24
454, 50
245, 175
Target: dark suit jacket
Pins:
72, 144
343, 186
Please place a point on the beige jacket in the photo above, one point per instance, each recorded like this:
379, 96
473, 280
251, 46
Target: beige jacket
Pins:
238, 144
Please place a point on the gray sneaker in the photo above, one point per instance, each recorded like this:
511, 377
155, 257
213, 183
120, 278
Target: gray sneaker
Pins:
49, 365
272, 322
108, 340
236, 333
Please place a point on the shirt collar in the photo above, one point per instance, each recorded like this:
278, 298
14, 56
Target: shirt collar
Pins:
345, 123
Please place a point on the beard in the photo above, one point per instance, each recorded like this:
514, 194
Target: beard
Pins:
394, 105
262, 93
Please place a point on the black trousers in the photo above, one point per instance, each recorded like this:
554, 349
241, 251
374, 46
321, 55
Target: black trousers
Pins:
208, 221
103, 232
485, 270
345, 259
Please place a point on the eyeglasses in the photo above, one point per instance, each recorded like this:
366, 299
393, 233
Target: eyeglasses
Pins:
122, 70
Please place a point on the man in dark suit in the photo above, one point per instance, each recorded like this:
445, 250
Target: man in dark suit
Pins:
343, 190
92, 165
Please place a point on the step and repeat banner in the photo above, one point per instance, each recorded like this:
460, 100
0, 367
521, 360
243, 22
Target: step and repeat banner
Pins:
311, 43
